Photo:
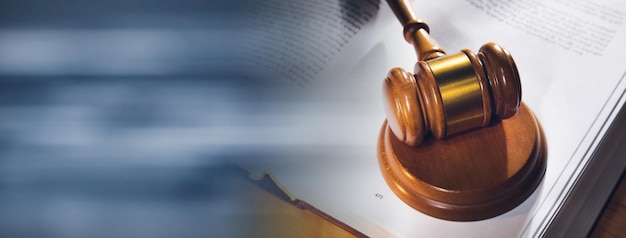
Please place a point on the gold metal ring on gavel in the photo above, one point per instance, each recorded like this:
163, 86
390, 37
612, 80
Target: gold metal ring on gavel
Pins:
463, 100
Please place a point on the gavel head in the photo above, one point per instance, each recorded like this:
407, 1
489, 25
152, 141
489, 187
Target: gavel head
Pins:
452, 94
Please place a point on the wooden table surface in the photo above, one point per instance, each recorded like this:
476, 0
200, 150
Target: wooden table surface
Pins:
612, 222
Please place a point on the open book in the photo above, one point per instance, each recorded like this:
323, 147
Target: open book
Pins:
114, 114
325, 62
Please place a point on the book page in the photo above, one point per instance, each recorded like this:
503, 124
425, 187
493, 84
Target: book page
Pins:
153, 95
298, 41
322, 146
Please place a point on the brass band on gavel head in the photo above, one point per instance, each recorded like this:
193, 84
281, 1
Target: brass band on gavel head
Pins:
455, 93
451, 94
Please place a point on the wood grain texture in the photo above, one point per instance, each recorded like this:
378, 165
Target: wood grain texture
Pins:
470, 176
612, 223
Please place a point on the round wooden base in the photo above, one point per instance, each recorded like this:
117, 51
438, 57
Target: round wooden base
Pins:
471, 176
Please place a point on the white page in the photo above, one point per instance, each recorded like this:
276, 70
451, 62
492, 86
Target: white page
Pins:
326, 149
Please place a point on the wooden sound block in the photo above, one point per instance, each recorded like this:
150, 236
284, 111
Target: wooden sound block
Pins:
470, 176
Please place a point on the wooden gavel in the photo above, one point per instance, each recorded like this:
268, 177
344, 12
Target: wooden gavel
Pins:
447, 94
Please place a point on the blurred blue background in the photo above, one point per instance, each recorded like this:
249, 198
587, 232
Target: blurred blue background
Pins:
115, 117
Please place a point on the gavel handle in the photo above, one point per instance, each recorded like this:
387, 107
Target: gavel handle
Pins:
404, 12
416, 31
